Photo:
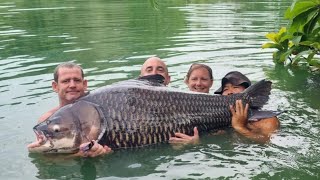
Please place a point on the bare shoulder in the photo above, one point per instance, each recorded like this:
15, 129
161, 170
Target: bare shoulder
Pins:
267, 125
273, 122
46, 115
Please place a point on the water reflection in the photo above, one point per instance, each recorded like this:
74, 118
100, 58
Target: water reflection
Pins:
227, 156
129, 163
299, 80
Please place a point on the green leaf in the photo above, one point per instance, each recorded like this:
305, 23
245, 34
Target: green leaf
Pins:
300, 6
297, 59
306, 43
310, 56
297, 24
272, 45
282, 31
276, 57
300, 56
285, 45
298, 49
307, 19
311, 22
286, 37
272, 37
275, 37
316, 31
315, 62
296, 40
315, 45
285, 55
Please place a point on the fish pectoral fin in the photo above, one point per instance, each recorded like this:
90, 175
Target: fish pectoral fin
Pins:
256, 115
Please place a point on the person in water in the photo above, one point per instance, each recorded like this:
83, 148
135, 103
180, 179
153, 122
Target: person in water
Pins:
155, 65
232, 83
69, 84
235, 82
199, 78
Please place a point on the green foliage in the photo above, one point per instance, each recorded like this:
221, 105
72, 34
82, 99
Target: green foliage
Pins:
300, 41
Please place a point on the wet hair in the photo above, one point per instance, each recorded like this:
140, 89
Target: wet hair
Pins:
198, 66
68, 65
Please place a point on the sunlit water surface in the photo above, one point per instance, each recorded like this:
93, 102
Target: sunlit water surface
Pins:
111, 39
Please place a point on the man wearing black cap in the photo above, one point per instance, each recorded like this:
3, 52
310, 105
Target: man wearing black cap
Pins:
232, 83
235, 82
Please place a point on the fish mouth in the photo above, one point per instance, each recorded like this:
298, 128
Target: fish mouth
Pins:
41, 137
48, 143
42, 144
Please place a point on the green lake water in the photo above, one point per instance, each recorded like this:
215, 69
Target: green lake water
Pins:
111, 39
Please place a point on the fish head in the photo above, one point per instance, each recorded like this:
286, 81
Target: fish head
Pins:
67, 128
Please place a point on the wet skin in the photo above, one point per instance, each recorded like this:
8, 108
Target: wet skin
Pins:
199, 81
155, 65
69, 87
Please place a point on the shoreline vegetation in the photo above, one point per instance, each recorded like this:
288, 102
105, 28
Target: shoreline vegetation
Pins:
298, 44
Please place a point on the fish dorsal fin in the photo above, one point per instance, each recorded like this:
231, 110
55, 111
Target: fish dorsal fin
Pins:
154, 79
258, 93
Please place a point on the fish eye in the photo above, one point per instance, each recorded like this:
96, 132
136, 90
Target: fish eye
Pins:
56, 128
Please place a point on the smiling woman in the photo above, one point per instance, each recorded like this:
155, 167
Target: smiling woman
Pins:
199, 78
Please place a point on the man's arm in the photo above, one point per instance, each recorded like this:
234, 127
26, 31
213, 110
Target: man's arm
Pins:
266, 126
259, 131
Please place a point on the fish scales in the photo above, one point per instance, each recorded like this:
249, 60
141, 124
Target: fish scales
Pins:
134, 113
154, 113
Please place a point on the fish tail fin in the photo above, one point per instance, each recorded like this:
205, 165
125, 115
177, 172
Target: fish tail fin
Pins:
258, 93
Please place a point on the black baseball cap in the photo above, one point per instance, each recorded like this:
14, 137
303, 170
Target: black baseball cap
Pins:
235, 78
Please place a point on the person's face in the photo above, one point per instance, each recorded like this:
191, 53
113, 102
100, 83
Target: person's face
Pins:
229, 89
199, 80
70, 85
152, 67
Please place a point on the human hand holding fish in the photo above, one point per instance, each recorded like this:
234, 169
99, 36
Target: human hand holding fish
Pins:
239, 116
37, 143
181, 138
255, 132
92, 149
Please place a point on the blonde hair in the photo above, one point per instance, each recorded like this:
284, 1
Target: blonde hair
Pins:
198, 66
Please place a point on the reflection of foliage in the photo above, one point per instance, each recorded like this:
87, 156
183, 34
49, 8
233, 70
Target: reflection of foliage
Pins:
154, 4
305, 85
300, 41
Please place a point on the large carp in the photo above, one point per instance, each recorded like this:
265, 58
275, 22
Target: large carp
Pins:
137, 113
